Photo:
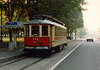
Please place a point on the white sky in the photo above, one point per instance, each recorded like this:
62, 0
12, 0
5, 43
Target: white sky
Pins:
92, 15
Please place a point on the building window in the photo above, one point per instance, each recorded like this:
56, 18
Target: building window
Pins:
35, 30
44, 30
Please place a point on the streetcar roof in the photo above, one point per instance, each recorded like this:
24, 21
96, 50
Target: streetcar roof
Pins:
38, 21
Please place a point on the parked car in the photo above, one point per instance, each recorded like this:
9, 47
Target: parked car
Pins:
89, 39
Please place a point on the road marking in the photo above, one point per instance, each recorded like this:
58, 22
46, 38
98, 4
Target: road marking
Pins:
53, 67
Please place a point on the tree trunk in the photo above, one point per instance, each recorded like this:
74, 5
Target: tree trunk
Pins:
68, 29
75, 33
1, 25
10, 36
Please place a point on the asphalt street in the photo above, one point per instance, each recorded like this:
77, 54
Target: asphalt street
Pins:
85, 57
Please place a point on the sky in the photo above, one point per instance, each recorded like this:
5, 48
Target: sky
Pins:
92, 15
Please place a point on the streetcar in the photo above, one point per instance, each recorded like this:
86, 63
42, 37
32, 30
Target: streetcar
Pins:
44, 33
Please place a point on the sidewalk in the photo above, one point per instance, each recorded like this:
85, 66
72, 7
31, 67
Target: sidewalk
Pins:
5, 53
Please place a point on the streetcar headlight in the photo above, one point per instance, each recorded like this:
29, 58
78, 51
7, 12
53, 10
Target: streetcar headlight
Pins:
34, 42
40, 43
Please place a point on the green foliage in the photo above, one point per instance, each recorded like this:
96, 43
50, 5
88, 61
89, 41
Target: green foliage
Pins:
68, 11
81, 32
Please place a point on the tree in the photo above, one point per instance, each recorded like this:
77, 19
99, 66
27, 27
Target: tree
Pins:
68, 11
81, 32
13, 11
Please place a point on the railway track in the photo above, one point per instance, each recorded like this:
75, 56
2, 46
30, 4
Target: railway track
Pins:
31, 64
10, 60
14, 59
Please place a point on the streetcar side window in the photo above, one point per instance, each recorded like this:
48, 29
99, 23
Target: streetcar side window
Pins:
27, 30
44, 30
35, 30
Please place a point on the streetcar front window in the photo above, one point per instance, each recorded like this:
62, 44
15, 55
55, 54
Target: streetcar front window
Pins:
27, 30
44, 30
35, 30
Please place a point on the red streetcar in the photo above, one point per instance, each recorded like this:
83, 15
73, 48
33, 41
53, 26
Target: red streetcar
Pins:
44, 33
